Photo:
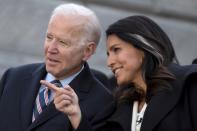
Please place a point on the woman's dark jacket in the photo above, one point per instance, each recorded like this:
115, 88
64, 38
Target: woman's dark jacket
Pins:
169, 110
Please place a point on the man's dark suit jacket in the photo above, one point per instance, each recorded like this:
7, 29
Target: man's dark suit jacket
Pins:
170, 110
18, 91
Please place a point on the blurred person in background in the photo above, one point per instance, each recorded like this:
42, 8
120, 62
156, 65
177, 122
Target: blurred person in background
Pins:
194, 61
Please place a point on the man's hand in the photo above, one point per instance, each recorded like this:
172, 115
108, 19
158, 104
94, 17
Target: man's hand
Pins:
66, 101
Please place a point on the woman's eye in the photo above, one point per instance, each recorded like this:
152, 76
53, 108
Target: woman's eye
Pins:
115, 50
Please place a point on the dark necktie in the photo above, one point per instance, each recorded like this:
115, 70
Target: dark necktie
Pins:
43, 100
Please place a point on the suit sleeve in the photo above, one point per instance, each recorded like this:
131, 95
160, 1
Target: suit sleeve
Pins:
99, 123
85, 125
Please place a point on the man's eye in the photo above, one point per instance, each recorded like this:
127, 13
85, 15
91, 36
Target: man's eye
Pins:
49, 37
63, 43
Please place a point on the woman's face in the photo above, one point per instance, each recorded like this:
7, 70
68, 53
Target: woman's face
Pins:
124, 60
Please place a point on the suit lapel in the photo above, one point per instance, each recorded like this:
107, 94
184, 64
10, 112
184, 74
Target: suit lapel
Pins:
47, 114
159, 105
82, 83
30, 86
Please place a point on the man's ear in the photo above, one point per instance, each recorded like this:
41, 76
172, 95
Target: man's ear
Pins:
89, 50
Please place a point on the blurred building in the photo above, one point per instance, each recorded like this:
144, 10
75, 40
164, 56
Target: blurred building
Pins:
23, 24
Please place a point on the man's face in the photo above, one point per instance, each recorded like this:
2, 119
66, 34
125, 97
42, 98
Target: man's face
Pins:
64, 53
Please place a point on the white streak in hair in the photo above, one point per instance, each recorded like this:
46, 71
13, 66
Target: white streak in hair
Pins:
152, 50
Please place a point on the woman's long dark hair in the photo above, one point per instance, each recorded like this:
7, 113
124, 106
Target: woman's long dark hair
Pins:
145, 35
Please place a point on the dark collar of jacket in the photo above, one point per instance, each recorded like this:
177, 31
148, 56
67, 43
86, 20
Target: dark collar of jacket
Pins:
158, 107
82, 83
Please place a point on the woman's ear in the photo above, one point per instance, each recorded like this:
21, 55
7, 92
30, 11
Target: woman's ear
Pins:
89, 50
142, 56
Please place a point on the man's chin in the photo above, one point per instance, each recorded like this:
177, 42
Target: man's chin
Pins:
50, 70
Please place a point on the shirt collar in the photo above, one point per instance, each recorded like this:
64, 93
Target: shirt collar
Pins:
49, 77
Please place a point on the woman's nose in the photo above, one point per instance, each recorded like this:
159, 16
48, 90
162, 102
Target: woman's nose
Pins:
110, 61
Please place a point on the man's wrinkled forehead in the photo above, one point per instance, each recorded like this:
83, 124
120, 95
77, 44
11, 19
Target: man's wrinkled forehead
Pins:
74, 23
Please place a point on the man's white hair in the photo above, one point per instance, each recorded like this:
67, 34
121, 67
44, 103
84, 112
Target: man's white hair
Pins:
91, 25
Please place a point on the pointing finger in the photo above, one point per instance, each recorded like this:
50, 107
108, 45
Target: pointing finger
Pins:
49, 85
68, 88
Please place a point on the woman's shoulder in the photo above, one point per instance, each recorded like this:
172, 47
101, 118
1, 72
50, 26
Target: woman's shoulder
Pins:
192, 70
178, 70
191, 74
183, 72
186, 77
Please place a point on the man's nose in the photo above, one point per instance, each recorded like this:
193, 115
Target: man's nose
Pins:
53, 46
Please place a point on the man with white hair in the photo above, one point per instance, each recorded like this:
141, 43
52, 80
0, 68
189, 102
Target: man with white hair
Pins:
54, 95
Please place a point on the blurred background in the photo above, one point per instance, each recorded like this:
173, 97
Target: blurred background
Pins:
23, 24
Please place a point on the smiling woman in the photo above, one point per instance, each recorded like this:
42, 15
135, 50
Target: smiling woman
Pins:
137, 55
135, 62
119, 54
150, 96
